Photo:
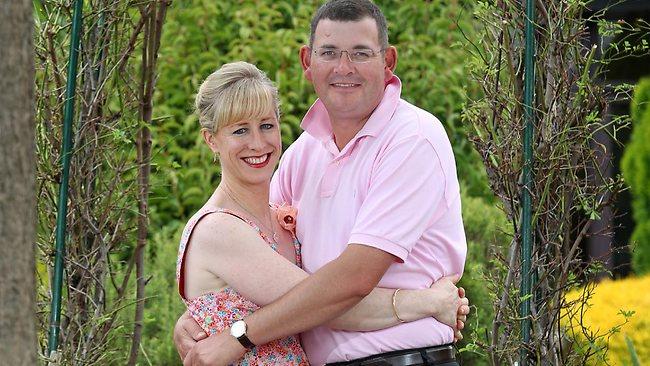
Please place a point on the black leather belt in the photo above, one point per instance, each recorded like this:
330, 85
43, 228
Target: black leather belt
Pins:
436, 355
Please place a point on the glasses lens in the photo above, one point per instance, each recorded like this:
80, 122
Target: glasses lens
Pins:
328, 54
333, 54
361, 55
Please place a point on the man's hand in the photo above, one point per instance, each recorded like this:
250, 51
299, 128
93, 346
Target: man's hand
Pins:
186, 333
217, 350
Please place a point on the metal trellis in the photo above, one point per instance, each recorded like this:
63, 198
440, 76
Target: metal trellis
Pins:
62, 210
526, 201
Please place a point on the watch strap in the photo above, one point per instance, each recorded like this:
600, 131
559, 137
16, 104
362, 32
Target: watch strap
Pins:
245, 342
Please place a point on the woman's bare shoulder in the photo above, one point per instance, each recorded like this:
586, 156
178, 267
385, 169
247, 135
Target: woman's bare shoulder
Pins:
222, 230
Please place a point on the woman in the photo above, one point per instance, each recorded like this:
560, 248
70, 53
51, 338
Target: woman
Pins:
228, 258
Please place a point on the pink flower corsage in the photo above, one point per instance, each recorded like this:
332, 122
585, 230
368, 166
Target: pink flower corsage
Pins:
287, 217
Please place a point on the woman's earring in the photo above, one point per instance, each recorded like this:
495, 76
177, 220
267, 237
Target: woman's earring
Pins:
215, 157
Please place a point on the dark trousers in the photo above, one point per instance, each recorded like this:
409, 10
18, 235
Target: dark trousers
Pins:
429, 356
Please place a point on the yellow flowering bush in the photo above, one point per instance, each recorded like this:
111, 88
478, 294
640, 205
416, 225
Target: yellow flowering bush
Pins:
615, 310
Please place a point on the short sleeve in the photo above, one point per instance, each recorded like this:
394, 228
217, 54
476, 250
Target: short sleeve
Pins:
407, 190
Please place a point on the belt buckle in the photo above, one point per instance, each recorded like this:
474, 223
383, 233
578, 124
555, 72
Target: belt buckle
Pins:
408, 359
440, 354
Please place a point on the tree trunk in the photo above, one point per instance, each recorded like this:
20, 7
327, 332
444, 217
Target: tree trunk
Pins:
17, 185
152, 34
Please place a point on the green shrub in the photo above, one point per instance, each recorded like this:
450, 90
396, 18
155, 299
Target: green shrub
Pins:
636, 170
162, 305
486, 226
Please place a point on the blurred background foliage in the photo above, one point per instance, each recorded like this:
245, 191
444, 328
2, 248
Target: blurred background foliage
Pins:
636, 170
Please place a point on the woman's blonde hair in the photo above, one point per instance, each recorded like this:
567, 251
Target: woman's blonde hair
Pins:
237, 91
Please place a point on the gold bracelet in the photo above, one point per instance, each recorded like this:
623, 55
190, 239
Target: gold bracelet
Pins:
395, 306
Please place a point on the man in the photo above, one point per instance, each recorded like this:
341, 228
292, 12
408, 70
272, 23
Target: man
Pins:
374, 181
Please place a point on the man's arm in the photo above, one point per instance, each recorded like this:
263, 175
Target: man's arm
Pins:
323, 296
326, 294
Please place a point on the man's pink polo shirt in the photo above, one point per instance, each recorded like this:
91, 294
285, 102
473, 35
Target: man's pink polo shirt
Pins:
393, 187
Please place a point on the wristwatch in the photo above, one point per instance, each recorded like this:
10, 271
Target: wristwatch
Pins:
238, 330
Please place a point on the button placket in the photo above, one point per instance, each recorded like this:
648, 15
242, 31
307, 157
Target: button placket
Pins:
330, 179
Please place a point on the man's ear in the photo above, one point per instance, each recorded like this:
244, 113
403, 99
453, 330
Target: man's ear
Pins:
390, 60
210, 140
305, 61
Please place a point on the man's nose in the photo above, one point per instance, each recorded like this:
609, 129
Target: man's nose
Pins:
344, 65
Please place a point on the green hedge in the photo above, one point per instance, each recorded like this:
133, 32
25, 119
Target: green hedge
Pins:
636, 170
201, 35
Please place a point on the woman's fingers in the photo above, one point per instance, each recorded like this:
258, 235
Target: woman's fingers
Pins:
464, 301
457, 336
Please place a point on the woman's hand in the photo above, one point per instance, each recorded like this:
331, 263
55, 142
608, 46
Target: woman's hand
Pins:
450, 306
463, 311
186, 333
443, 301
447, 303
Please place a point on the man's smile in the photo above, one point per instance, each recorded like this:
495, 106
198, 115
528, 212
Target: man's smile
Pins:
344, 85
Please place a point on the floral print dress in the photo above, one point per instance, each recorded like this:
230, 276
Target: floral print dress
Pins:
217, 310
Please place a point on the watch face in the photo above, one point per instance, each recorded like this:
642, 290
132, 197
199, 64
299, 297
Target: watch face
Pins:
238, 329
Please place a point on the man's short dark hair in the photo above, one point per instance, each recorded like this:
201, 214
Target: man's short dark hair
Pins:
351, 11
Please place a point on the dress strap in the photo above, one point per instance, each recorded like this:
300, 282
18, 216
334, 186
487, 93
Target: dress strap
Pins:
182, 248
261, 233
296, 250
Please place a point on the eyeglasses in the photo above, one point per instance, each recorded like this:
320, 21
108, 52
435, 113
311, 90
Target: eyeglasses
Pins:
357, 55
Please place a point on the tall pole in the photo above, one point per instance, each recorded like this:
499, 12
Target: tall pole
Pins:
62, 210
18, 336
526, 202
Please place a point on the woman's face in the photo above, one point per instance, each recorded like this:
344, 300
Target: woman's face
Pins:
249, 150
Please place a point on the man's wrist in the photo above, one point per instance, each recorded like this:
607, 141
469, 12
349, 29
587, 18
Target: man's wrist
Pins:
225, 348
238, 330
231, 349
234, 344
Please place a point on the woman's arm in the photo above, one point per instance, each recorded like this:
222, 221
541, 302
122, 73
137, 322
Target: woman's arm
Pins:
375, 311
235, 253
